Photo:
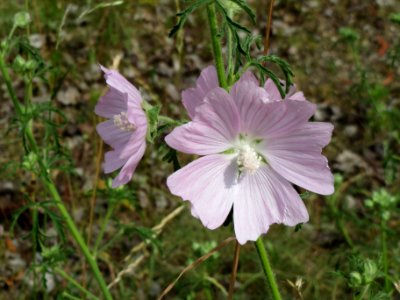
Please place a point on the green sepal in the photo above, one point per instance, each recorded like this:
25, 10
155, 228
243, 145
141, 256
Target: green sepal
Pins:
152, 114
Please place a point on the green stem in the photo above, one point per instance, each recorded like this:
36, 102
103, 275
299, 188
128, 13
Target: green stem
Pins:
75, 283
168, 120
68, 296
345, 233
7, 79
231, 71
219, 62
385, 256
47, 181
99, 238
262, 253
78, 238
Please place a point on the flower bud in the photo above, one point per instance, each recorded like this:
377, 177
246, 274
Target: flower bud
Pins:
355, 279
21, 19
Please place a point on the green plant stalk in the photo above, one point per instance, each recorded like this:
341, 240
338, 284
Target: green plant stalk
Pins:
78, 237
339, 221
231, 71
262, 253
7, 79
68, 296
52, 189
75, 283
216, 46
385, 256
100, 236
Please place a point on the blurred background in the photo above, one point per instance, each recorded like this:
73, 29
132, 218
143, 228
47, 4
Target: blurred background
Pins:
345, 55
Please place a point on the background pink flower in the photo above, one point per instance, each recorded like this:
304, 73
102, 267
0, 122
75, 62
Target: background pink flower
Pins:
254, 147
126, 127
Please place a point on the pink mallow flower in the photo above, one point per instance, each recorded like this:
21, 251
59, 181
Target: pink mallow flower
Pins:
126, 127
253, 146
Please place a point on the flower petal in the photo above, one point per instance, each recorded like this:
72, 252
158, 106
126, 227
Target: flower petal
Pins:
113, 135
249, 76
299, 96
215, 126
193, 97
208, 183
272, 90
265, 198
275, 95
247, 94
112, 103
297, 156
113, 161
115, 80
125, 175
275, 118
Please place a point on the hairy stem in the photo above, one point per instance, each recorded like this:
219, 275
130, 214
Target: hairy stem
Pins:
50, 186
262, 253
231, 64
216, 45
10, 89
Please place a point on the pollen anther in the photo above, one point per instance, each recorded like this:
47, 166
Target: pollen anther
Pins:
248, 159
122, 122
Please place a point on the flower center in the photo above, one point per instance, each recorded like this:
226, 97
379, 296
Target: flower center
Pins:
121, 121
248, 159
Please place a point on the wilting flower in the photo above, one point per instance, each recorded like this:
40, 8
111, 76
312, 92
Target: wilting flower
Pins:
125, 129
253, 146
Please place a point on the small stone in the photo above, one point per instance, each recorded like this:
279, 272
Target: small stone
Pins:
69, 96
350, 130
37, 40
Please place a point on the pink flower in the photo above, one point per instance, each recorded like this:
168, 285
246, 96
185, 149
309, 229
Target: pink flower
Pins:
126, 127
254, 146
208, 80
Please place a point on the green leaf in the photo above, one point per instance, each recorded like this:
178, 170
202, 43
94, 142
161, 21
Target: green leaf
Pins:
284, 66
99, 6
265, 71
169, 155
246, 8
232, 24
349, 34
395, 18
183, 15
148, 235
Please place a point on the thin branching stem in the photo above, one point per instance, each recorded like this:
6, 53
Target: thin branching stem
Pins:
268, 28
10, 89
100, 236
234, 271
50, 186
76, 284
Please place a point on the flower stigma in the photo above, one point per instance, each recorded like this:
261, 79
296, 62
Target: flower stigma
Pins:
122, 122
248, 160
